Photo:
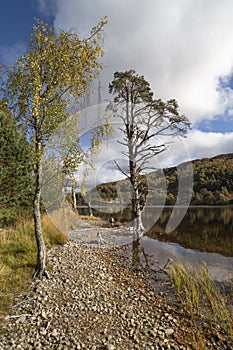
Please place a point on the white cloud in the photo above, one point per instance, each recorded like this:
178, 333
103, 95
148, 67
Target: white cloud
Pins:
47, 7
104, 168
9, 54
182, 47
201, 144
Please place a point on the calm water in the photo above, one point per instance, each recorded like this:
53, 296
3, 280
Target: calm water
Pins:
204, 234
206, 229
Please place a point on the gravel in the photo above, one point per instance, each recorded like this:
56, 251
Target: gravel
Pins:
94, 301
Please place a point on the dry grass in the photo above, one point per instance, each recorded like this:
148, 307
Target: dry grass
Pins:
89, 218
64, 219
67, 219
202, 298
18, 253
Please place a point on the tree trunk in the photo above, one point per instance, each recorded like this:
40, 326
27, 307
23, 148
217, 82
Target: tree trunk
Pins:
41, 248
136, 261
138, 233
74, 201
137, 216
137, 213
90, 210
139, 225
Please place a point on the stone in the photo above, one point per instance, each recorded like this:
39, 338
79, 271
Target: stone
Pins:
43, 314
169, 332
54, 333
110, 347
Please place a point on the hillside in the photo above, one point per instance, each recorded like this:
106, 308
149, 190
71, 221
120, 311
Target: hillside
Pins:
213, 184
213, 181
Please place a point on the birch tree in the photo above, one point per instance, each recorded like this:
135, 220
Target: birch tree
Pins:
145, 122
39, 88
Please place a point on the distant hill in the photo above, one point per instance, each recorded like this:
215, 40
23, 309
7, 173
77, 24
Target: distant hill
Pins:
213, 184
213, 181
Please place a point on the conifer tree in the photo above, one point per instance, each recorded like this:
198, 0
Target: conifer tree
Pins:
16, 180
145, 121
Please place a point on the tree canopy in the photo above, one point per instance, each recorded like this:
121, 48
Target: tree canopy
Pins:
39, 88
41, 83
145, 121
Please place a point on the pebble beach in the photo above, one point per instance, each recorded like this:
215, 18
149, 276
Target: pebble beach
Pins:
94, 300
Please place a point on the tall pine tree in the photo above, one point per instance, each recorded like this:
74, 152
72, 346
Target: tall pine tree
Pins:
16, 181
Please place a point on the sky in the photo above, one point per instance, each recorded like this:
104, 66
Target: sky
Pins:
184, 48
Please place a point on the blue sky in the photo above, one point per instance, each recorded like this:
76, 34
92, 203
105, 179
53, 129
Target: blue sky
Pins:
16, 21
184, 48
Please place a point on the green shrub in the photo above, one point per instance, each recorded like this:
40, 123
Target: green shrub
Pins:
7, 217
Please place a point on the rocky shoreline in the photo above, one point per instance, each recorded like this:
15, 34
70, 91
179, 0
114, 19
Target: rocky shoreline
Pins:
94, 300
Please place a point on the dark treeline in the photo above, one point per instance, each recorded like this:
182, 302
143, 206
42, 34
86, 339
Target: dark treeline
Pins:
213, 181
16, 180
213, 184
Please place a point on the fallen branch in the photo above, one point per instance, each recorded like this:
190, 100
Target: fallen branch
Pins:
163, 269
18, 316
146, 257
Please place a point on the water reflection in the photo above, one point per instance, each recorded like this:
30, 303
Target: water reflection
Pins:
206, 229
219, 266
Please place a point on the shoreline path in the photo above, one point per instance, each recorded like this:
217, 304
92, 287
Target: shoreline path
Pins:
94, 301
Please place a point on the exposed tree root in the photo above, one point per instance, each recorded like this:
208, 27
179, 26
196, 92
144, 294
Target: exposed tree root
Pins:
40, 273
145, 256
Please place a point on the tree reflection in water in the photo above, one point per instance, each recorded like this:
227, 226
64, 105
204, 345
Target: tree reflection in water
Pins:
206, 229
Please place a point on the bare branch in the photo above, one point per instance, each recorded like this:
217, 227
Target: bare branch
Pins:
122, 143
121, 170
144, 118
